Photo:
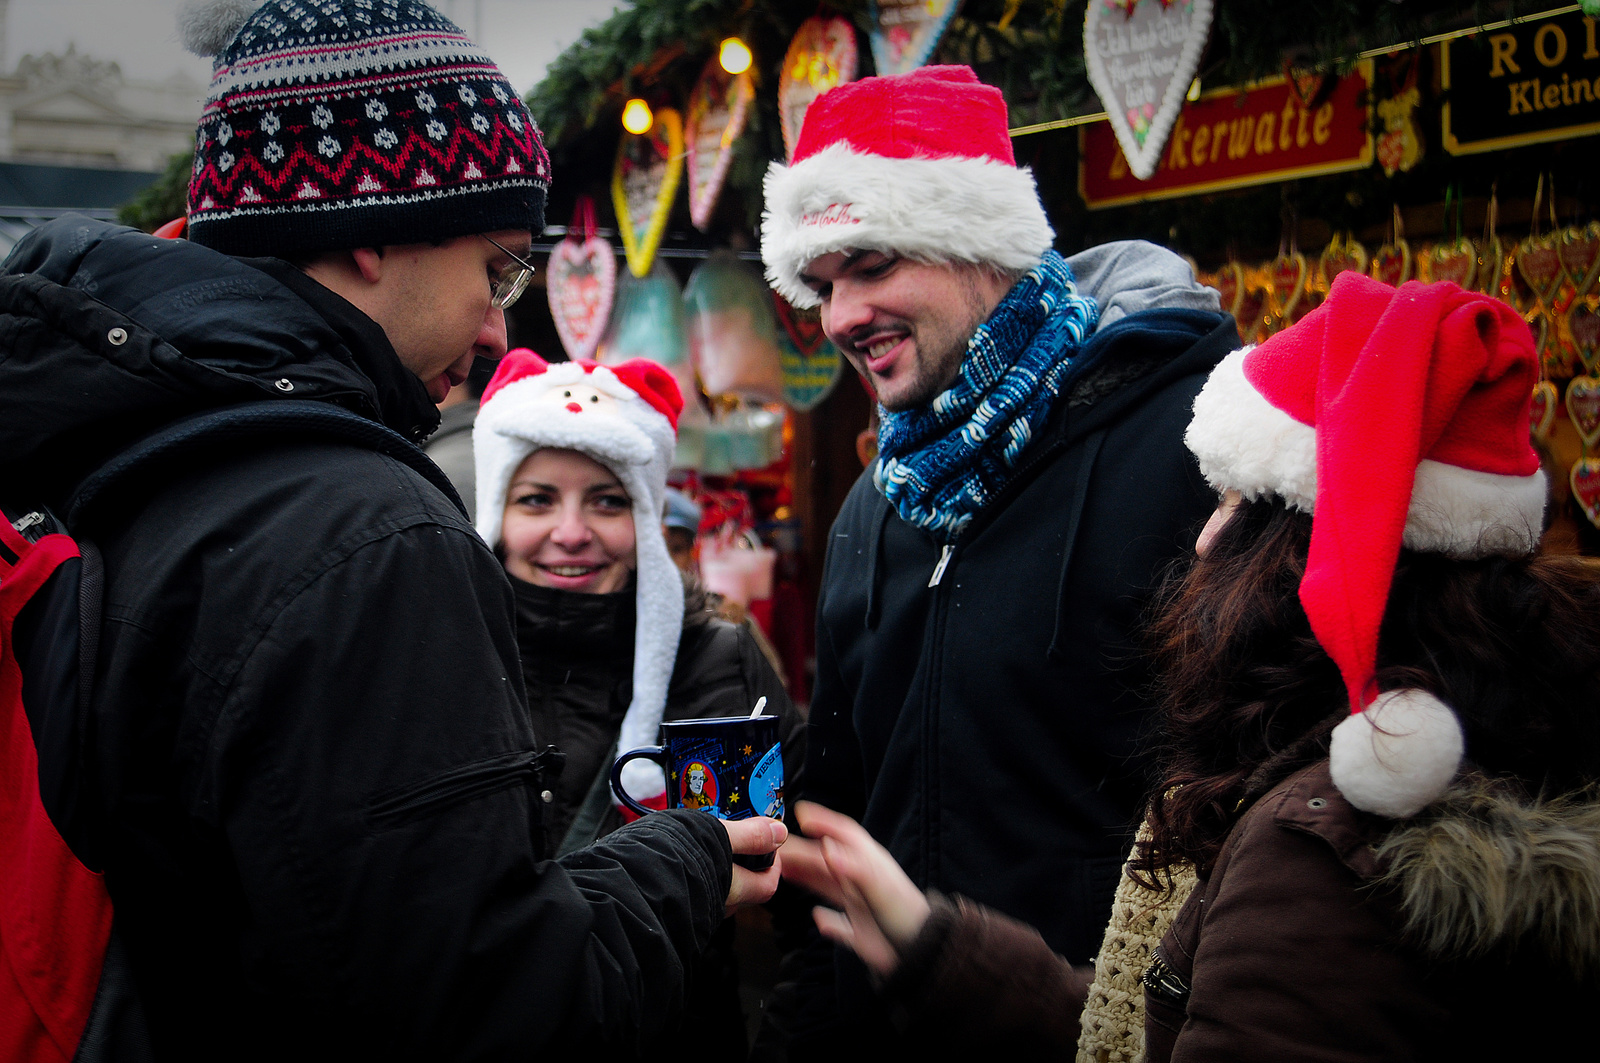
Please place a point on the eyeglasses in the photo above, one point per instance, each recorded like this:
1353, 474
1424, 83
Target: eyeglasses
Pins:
508, 287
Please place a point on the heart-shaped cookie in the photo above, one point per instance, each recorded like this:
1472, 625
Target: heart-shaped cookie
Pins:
1141, 60
1457, 262
1255, 294
717, 109
1391, 263
1288, 277
1492, 266
581, 281
645, 180
811, 363
821, 56
1342, 253
1585, 481
1539, 266
1583, 324
1543, 415
1583, 406
905, 32
1579, 251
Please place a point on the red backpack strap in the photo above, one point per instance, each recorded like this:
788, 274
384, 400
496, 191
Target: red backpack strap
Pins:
55, 914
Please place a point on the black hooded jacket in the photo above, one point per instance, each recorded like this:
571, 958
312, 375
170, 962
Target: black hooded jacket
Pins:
315, 778
980, 709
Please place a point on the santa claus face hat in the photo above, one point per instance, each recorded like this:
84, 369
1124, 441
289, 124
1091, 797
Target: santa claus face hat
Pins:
1393, 417
625, 417
919, 164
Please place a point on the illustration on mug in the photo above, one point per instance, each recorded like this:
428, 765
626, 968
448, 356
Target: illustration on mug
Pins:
698, 786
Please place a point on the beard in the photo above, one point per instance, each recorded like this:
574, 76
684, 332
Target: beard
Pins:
941, 348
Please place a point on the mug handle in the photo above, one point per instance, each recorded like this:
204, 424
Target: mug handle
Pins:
655, 753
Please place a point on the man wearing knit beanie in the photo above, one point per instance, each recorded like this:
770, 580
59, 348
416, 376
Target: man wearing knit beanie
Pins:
306, 766
978, 703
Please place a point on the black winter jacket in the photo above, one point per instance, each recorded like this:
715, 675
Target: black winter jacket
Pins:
316, 779
981, 712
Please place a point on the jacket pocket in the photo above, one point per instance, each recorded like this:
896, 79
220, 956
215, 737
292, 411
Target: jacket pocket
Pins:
1166, 995
466, 783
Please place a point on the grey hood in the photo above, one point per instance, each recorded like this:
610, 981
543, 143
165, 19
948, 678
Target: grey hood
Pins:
1127, 276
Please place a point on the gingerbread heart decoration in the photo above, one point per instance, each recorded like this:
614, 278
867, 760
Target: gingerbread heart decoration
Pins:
1253, 298
905, 32
1391, 264
1579, 251
1583, 406
1141, 59
1457, 262
1230, 286
1539, 265
649, 166
1491, 269
1342, 253
821, 56
1583, 324
717, 109
811, 363
581, 283
1585, 481
1543, 415
1288, 276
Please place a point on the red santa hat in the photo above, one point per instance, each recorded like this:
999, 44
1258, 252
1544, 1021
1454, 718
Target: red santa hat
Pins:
625, 417
919, 164
1395, 418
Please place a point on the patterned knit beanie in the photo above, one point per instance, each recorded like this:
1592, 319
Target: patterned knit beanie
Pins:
335, 124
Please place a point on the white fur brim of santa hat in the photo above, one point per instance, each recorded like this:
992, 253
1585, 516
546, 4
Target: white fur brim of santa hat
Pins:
937, 210
1246, 444
918, 164
1395, 418
526, 408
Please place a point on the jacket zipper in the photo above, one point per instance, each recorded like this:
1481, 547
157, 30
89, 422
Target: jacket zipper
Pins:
454, 786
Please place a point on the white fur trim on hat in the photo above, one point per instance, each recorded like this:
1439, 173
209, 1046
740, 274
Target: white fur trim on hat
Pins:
1246, 444
946, 209
635, 441
1399, 755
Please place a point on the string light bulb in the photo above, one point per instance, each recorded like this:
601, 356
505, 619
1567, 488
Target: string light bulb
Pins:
1194, 91
636, 117
734, 56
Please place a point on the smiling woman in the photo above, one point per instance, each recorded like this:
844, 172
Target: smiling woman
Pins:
572, 461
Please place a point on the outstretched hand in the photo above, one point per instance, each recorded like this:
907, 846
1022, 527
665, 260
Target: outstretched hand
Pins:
755, 836
883, 910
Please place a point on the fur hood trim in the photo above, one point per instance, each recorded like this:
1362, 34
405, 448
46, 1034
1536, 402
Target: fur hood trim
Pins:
1485, 869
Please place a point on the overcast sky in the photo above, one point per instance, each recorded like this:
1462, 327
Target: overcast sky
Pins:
522, 36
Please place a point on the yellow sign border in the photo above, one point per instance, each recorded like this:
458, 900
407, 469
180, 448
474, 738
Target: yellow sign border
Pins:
1479, 147
1361, 162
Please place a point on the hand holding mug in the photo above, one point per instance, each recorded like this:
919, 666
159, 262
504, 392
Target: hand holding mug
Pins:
757, 837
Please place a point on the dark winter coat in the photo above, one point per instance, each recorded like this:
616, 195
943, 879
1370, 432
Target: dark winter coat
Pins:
577, 661
317, 785
981, 713
1470, 932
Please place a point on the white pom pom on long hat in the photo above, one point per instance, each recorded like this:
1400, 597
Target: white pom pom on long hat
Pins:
1398, 756
206, 27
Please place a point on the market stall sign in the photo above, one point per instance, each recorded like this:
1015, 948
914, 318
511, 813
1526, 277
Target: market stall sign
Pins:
1141, 58
821, 56
1232, 138
1526, 84
905, 32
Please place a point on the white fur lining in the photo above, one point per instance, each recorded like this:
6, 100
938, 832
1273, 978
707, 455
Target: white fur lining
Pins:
1398, 756
1246, 444
943, 209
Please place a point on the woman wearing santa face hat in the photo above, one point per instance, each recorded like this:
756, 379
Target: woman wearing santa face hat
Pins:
1383, 752
571, 461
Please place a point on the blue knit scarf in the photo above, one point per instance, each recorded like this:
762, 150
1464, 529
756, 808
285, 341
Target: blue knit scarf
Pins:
939, 464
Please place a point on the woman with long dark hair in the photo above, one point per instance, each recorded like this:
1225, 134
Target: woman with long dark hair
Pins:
1382, 746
